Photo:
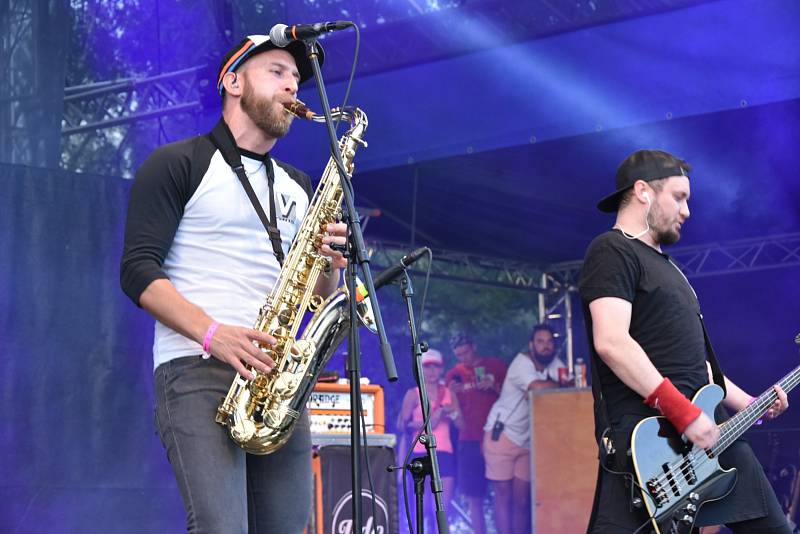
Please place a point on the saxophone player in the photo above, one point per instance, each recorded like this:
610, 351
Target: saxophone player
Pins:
204, 242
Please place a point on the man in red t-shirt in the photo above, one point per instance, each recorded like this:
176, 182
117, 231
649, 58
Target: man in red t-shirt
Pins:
476, 381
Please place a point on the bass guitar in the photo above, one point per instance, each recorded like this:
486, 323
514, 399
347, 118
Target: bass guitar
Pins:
677, 477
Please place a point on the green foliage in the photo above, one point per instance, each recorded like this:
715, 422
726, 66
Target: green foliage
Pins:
499, 319
114, 40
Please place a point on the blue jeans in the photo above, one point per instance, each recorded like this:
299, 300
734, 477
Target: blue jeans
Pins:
224, 489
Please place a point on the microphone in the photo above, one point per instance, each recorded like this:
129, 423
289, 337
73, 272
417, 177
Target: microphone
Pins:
392, 273
281, 34
389, 275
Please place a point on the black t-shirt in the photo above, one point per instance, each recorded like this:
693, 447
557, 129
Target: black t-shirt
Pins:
666, 322
665, 317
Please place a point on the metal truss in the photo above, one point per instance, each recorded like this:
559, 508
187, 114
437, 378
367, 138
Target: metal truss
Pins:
462, 267
105, 112
560, 281
18, 85
555, 309
746, 255
553, 282
32, 58
107, 104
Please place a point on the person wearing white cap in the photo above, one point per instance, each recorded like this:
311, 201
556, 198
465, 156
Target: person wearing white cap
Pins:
200, 256
444, 411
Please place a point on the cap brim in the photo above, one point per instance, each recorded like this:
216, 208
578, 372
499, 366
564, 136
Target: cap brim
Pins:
298, 51
610, 204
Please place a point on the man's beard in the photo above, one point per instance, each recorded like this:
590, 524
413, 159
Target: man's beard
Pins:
543, 359
262, 113
663, 234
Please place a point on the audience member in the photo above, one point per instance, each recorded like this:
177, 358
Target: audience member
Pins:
444, 411
476, 382
506, 442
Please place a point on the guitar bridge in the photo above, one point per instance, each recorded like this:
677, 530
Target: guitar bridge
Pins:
656, 491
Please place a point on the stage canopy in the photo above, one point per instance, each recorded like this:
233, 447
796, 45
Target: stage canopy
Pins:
504, 151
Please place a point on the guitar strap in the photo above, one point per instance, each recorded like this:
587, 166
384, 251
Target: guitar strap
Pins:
716, 370
223, 139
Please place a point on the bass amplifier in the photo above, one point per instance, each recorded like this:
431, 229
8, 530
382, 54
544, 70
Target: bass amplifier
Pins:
329, 409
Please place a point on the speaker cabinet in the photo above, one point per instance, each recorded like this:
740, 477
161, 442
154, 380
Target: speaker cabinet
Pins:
333, 487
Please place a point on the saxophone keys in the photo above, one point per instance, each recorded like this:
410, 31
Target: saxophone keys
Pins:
314, 303
303, 348
281, 334
285, 384
243, 430
272, 418
285, 317
296, 355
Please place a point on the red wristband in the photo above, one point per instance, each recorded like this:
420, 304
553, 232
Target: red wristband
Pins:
673, 405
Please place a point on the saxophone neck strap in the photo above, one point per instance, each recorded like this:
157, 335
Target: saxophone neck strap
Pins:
223, 139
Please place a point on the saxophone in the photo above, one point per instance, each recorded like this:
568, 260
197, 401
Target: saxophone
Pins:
261, 412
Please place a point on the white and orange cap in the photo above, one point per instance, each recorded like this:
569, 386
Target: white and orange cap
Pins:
254, 44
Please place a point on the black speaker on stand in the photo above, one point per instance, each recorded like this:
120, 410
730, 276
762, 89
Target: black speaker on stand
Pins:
333, 490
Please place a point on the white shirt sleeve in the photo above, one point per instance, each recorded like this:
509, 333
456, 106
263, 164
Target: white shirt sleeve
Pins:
522, 371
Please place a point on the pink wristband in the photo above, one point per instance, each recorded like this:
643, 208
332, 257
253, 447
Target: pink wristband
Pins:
209, 335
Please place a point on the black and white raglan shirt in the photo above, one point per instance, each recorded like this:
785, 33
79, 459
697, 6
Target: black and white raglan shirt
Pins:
190, 221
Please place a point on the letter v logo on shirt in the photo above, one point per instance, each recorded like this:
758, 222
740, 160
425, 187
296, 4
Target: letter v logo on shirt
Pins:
288, 208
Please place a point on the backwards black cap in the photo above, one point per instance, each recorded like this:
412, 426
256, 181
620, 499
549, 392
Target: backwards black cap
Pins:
647, 165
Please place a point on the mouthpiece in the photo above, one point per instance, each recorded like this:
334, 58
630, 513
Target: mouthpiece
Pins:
299, 110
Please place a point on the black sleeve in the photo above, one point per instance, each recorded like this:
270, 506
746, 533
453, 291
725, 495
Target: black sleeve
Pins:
610, 269
162, 187
298, 176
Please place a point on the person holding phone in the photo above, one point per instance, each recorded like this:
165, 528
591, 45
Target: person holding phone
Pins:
476, 382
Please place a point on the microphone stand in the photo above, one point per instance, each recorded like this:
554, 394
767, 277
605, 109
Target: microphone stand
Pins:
357, 254
429, 465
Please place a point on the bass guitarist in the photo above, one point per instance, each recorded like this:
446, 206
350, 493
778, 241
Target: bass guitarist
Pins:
651, 354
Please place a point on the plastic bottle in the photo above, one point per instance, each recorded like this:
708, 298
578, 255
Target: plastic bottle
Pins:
580, 373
